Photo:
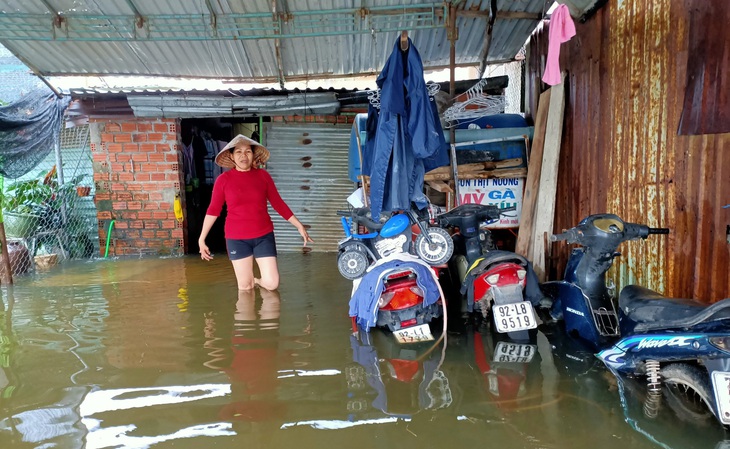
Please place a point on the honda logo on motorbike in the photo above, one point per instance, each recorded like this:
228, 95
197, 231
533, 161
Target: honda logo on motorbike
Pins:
661, 342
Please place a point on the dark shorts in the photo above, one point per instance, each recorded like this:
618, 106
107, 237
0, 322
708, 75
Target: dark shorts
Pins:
264, 246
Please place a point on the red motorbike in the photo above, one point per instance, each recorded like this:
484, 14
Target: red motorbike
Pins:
395, 271
491, 280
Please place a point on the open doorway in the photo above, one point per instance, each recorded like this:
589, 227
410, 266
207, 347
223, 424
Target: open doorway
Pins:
202, 139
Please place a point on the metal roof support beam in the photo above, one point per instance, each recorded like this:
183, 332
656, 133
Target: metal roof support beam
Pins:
138, 18
514, 15
57, 18
488, 37
277, 42
213, 17
247, 26
452, 35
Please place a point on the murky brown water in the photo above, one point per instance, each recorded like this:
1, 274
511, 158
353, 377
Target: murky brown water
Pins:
166, 353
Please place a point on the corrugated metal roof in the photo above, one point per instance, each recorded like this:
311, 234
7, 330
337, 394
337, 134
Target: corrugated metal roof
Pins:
244, 40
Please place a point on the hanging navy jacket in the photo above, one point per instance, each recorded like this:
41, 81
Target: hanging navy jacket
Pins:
408, 138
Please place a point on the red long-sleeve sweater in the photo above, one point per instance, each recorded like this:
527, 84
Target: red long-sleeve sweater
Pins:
246, 194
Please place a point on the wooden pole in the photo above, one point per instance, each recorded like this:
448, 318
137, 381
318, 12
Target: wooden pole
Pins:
452, 36
7, 270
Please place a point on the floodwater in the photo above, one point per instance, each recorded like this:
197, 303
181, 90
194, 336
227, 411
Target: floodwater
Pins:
166, 353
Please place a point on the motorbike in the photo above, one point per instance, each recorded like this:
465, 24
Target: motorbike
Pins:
680, 346
393, 379
388, 235
493, 281
406, 295
505, 366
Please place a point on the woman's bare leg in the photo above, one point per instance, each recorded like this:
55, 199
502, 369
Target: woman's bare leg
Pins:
269, 273
245, 306
270, 309
244, 272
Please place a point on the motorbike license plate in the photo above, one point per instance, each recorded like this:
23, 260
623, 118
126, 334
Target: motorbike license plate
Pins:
721, 385
414, 334
513, 352
514, 317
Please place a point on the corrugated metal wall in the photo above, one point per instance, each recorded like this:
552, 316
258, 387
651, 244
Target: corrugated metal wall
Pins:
309, 166
621, 152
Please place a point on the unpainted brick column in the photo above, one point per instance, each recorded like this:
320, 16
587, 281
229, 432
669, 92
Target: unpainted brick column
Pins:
138, 174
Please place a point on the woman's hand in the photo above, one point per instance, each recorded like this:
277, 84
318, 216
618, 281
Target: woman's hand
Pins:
204, 251
301, 228
303, 232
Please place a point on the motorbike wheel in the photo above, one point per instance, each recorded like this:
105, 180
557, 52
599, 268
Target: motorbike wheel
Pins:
438, 252
352, 263
688, 392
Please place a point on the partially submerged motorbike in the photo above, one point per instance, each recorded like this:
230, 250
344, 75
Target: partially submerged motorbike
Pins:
504, 365
394, 379
681, 346
400, 269
492, 281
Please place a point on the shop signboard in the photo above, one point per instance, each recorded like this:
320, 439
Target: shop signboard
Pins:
503, 192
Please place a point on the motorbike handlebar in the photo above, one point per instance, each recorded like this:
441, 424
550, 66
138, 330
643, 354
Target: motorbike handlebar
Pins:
359, 216
658, 230
562, 236
497, 212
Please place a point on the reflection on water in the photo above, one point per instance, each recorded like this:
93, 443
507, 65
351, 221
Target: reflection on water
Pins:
166, 352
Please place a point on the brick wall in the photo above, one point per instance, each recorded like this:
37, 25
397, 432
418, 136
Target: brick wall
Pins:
138, 173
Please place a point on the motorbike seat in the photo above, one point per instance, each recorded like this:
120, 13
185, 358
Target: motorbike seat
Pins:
653, 311
494, 257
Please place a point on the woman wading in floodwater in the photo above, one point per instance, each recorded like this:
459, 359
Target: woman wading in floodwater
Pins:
246, 190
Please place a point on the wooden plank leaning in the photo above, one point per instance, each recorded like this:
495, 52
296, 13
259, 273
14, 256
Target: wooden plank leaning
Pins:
545, 212
532, 183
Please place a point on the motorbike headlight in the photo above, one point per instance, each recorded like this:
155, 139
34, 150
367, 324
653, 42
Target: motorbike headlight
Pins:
721, 343
493, 279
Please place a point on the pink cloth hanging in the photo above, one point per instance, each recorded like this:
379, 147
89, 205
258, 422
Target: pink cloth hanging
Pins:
561, 30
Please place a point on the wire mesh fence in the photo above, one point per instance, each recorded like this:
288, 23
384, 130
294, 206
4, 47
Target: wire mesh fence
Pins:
49, 214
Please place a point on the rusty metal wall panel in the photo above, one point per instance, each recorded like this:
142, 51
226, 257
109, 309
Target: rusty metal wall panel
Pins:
621, 152
309, 166
707, 99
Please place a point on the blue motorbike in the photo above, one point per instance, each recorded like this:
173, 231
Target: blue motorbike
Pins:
681, 346
386, 235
